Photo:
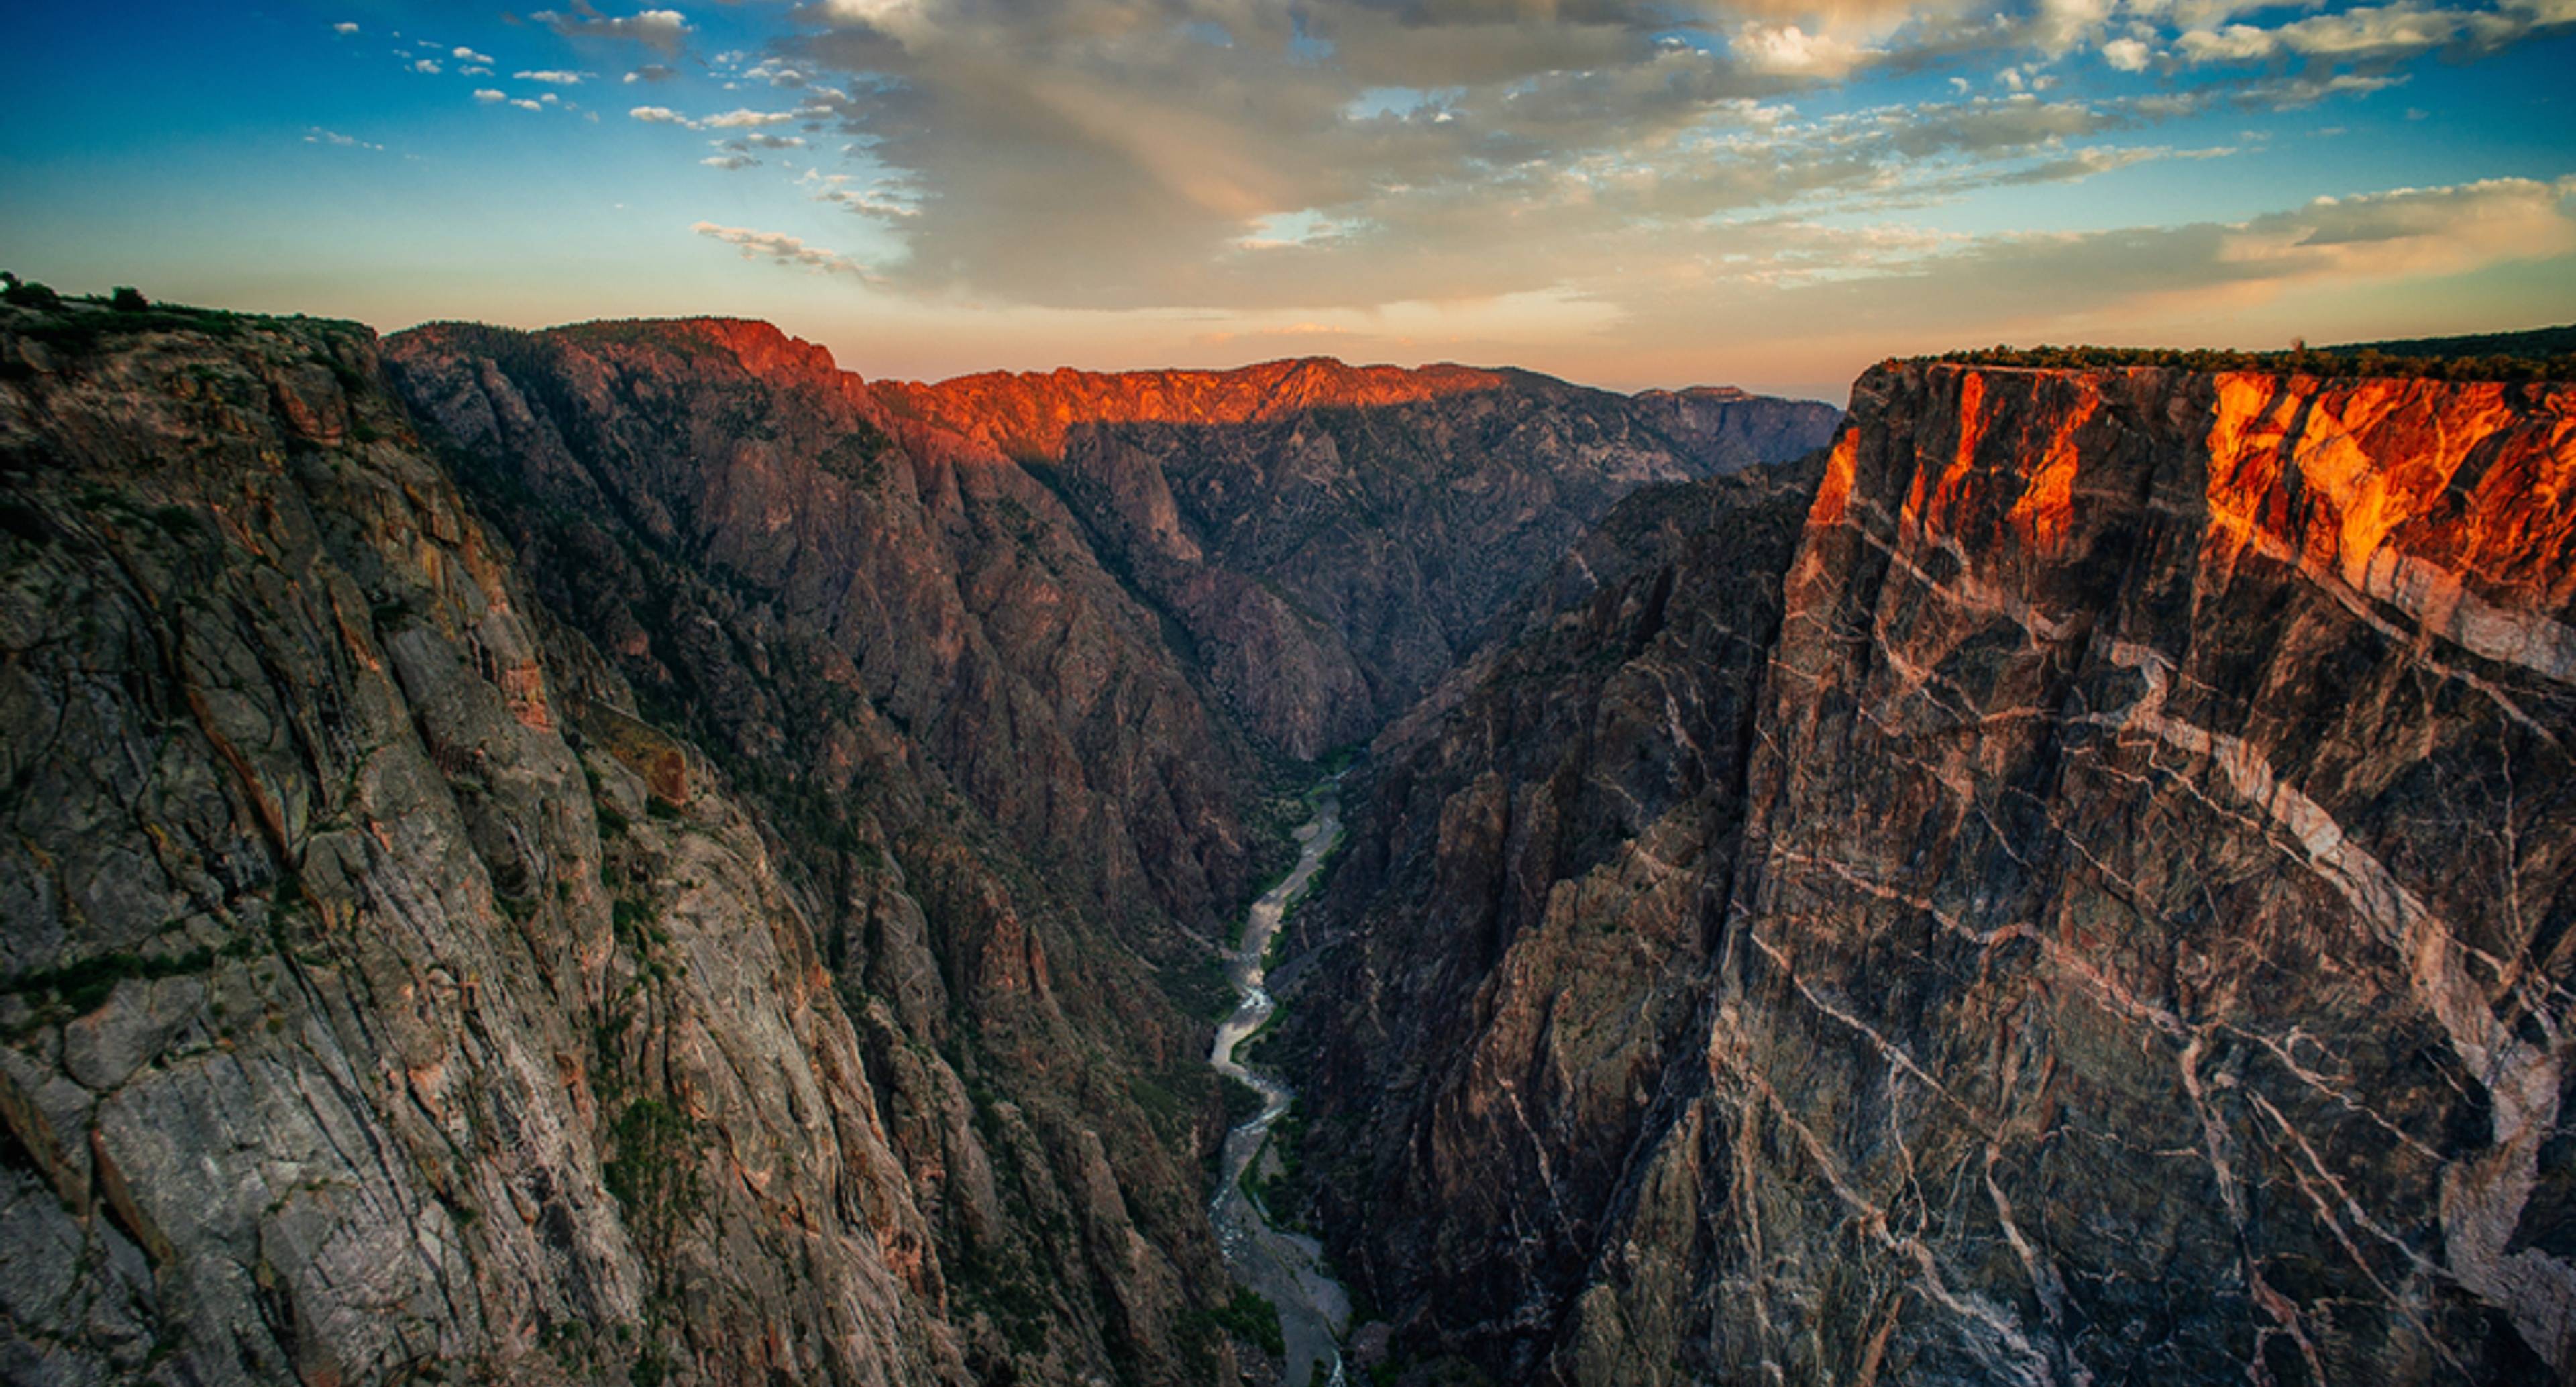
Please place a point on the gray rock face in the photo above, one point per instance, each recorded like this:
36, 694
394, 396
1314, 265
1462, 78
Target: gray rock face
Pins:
360, 1016
2139, 956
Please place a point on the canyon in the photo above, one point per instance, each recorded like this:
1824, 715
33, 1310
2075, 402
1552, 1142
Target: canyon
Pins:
630, 853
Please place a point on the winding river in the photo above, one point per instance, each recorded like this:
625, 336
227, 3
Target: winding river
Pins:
1286, 1267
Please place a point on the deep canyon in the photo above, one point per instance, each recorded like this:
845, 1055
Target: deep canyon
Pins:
628, 853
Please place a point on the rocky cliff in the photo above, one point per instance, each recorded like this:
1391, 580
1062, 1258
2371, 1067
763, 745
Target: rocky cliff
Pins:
1329, 540
365, 1013
2117, 930
392, 985
1026, 822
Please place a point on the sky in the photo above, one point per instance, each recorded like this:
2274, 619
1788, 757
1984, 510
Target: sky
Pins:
1770, 193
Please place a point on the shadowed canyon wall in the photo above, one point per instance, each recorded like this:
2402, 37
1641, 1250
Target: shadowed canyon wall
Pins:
2132, 944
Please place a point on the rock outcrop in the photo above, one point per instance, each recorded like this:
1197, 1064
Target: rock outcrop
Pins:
2132, 942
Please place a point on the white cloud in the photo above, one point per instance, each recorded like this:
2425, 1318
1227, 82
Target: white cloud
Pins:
780, 248
552, 77
730, 161
748, 119
468, 55
2063, 25
2127, 55
1792, 51
525, 104
344, 28
660, 115
428, 65
2376, 33
490, 97
663, 29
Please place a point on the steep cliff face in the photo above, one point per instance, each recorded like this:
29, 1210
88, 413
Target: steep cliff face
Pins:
1025, 822
2144, 952
1332, 539
1542, 870
914, 580
362, 1013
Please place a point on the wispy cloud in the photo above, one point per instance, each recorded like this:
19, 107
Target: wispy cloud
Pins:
781, 249
747, 119
318, 135
552, 77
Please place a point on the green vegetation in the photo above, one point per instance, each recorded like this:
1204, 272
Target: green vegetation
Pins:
82, 986
18, 294
1282, 1198
2546, 357
1251, 1318
648, 1170
78, 322
2538, 342
1242, 1101
1199, 987
1339, 759
1247, 1317
1174, 1100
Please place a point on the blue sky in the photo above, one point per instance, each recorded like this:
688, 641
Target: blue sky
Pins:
1768, 192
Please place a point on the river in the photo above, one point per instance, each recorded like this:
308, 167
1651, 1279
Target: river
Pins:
1286, 1267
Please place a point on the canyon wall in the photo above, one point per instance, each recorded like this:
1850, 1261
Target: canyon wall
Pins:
2133, 944
381, 993
1329, 540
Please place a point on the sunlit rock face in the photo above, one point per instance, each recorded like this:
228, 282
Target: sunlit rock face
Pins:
2142, 954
